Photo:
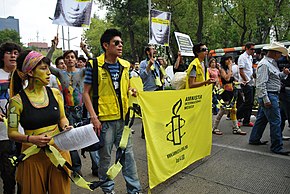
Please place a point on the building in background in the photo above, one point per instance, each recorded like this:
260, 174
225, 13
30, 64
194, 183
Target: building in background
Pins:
9, 23
39, 46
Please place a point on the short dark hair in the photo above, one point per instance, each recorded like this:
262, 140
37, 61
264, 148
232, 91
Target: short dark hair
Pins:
7, 46
196, 48
108, 35
68, 52
147, 48
223, 61
249, 44
82, 58
58, 59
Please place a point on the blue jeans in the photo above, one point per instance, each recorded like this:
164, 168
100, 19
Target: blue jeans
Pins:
112, 133
95, 158
271, 115
245, 110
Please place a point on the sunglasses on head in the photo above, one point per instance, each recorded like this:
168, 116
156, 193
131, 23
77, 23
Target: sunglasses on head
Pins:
203, 49
117, 42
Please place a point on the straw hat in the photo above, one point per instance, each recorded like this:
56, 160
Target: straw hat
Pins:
276, 46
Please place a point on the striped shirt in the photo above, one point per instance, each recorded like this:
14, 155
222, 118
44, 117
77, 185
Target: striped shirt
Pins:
268, 78
114, 70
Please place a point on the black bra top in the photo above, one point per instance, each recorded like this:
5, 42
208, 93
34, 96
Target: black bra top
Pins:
32, 118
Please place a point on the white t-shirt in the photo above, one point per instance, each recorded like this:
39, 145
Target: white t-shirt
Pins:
236, 72
4, 99
245, 62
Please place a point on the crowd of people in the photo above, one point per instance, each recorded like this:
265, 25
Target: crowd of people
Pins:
46, 99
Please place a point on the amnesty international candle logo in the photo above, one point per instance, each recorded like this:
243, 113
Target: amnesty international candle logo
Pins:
177, 132
176, 123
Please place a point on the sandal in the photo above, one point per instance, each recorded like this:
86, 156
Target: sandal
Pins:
217, 132
238, 131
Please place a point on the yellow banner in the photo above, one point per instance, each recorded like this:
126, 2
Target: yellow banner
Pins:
160, 21
177, 127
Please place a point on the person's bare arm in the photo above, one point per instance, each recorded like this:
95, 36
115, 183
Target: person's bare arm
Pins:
89, 105
194, 84
54, 43
177, 63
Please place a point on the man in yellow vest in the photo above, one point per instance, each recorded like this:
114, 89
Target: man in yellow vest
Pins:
197, 74
109, 119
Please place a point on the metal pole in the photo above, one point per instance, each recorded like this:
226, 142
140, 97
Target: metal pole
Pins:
63, 47
149, 8
68, 39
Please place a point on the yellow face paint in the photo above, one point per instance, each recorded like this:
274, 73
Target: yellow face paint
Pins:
41, 74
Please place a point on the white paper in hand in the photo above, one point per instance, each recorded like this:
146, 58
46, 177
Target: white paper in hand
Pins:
76, 138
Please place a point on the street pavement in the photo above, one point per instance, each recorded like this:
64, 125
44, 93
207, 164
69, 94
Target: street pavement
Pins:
234, 167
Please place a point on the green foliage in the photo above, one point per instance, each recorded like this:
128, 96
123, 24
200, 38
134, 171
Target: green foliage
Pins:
226, 23
9, 36
93, 35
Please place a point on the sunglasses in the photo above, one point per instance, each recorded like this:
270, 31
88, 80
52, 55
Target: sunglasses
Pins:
252, 49
117, 42
203, 49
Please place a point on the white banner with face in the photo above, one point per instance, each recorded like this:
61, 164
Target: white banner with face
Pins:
184, 44
76, 13
159, 27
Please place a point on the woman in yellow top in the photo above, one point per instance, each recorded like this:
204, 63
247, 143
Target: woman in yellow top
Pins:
40, 111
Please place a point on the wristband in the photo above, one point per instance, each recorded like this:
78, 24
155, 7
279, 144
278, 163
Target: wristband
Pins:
27, 138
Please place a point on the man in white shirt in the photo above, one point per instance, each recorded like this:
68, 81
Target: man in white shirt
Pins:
245, 64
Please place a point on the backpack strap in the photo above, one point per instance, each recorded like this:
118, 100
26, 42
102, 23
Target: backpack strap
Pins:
95, 85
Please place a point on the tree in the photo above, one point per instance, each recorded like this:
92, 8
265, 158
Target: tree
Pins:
217, 23
92, 35
10, 36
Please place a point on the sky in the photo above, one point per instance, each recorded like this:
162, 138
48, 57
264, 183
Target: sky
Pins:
34, 22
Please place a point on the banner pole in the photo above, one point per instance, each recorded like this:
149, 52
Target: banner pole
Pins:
149, 8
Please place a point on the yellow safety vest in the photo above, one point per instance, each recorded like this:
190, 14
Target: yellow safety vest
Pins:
199, 72
109, 107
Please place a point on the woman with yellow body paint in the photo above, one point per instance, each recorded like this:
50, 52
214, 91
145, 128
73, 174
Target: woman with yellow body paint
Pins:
40, 111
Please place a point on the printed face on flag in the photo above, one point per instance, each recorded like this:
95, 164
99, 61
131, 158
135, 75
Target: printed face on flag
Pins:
159, 27
75, 13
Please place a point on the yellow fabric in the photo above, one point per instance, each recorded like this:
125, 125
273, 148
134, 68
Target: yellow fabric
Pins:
37, 174
48, 130
54, 156
199, 72
30, 151
177, 126
125, 137
56, 159
114, 170
81, 182
108, 102
135, 82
